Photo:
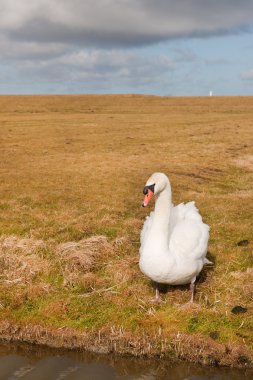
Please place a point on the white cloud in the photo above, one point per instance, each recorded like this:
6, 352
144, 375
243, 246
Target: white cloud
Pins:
185, 55
100, 67
216, 61
247, 75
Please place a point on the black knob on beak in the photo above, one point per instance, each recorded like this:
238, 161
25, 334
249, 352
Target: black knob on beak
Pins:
150, 187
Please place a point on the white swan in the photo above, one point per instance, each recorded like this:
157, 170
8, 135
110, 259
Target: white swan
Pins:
174, 239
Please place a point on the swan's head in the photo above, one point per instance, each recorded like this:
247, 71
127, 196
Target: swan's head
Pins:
154, 186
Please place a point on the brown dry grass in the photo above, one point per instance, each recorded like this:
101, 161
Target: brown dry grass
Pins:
79, 259
245, 162
72, 169
19, 259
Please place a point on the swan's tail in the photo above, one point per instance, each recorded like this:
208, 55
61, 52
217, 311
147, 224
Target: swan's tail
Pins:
208, 262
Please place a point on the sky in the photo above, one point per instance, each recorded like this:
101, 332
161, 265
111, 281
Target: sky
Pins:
159, 47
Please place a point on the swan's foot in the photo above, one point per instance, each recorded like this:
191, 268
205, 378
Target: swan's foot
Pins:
157, 300
191, 304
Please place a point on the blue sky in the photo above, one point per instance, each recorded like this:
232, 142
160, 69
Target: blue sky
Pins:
162, 47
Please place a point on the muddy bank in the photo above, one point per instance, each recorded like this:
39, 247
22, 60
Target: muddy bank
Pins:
20, 360
192, 348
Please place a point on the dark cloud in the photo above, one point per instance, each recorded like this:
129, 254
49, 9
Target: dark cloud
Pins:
113, 23
102, 43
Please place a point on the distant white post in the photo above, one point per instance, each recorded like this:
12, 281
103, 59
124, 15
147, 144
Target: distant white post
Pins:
211, 93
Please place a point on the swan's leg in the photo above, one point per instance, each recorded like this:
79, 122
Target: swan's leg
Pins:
192, 288
157, 298
191, 303
157, 295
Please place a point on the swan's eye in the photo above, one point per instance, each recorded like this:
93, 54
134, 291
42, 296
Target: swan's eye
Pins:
150, 187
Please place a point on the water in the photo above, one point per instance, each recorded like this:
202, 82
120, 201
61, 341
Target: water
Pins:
35, 363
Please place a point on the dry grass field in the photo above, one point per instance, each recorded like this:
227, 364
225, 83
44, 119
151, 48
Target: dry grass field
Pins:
72, 171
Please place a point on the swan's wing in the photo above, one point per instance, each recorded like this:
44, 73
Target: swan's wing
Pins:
145, 229
189, 239
184, 211
188, 234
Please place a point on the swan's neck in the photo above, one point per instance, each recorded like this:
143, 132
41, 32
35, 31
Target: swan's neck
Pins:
160, 225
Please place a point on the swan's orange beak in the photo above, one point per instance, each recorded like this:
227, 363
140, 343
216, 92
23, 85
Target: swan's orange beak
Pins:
147, 198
